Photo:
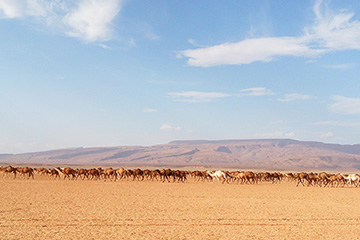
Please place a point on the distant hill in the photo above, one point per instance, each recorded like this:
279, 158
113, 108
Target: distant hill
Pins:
282, 154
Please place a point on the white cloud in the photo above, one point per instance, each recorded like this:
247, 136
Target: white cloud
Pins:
104, 46
296, 96
345, 105
91, 20
23, 8
88, 20
248, 51
330, 32
149, 110
11, 8
335, 123
260, 91
168, 127
194, 43
334, 31
276, 135
326, 135
194, 96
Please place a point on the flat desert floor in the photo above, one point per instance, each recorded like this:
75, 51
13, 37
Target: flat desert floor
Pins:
66, 209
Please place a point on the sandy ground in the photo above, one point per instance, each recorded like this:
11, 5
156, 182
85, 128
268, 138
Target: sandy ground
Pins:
58, 209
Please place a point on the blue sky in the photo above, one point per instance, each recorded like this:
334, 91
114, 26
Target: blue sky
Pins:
112, 72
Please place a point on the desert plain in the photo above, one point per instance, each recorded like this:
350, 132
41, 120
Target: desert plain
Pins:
44, 208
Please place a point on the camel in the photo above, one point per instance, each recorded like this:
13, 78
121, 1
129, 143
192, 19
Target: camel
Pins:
219, 175
155, 174
147, 174
94, 174
323, 179
8, 170
265, 176
352, 180
54, 173
120, 173
335, 180
290, 176
66, 173
41, 171
109, 173
232, 176
198, 175
302, 177
312, 178
180, 175
26, 171
250, 177
82, 173
138, 173
240, 177
165, 174
275, 177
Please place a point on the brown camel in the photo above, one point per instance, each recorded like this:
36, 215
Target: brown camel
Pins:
26, 171
54, 174
165, 174
94, 174
275, 177
8, 170
303, 178
82, 173
180, 175
109, 173
66, 173
138, 174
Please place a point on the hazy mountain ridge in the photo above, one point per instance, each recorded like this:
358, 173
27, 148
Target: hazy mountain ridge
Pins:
257, 153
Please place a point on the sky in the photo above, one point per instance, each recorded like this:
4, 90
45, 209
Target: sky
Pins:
94, 73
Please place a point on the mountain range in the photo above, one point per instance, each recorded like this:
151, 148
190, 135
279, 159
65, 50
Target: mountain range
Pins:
281, 154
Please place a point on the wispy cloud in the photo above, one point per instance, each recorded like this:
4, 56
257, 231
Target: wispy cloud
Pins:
296, 96
329, 32
195, 96
260, 91
150, 110
248, 51
151, 35
104, 46
276, 135
326, 135
88, 20
336, 123
345, 105
168, 127
23, 8
334, 31
194, 43
339, 66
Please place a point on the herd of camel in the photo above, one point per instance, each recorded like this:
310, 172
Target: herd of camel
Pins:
322, 179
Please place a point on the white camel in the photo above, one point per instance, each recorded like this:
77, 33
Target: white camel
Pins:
218, 175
